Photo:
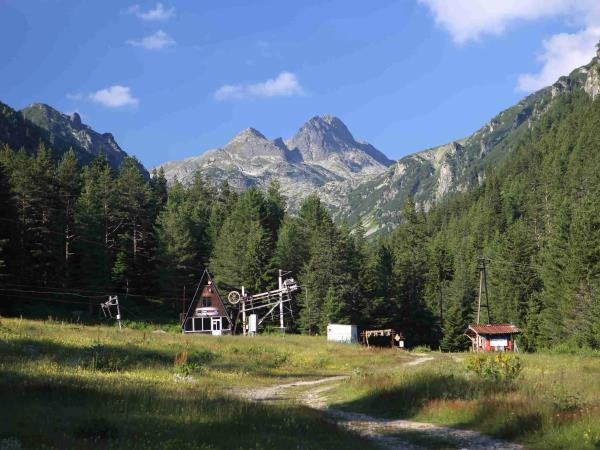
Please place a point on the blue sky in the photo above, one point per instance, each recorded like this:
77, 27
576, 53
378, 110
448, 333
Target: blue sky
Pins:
173, 79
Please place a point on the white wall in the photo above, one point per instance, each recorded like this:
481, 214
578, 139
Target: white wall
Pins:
342, 333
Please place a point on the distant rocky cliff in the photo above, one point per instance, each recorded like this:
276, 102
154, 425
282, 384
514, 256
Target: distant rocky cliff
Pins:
323, 156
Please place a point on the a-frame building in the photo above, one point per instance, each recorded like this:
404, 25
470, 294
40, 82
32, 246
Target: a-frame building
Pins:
207, 313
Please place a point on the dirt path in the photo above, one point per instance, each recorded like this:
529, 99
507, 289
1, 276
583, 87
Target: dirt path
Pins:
418, 361
381, 431
275, 392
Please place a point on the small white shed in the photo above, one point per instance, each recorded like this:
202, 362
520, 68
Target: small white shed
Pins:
347, 334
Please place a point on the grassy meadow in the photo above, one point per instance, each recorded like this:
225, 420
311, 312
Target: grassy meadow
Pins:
74, 386
554, 404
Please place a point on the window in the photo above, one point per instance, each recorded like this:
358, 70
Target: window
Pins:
197, 325
206, 301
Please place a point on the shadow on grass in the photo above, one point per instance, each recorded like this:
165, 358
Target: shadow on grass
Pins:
501, 417
409, 398
132, 356
99, 356
72, 412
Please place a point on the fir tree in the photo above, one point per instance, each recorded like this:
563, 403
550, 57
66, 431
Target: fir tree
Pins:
68, 192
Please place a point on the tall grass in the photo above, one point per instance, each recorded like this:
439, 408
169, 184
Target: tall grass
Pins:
555, 403
72, 386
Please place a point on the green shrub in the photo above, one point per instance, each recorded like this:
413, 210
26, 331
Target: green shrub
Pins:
105, 360
264, 357
501, 367
151, 327
185, 363
563, 400
571, 348
203, 356
421, 349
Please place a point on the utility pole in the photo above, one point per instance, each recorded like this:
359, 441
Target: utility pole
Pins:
118, 311
183, 304
244, 329
483, 289
441, 307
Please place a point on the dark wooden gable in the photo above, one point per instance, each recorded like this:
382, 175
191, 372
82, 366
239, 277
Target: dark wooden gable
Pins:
207, 296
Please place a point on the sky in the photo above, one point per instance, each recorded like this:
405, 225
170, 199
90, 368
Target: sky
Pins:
173, 79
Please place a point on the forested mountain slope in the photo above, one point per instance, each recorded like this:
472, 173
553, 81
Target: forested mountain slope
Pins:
430, 175
41, 124
536, 220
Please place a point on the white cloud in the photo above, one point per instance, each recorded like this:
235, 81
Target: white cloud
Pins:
158, 14
286, 84
562, 53
468, 20
114, 97
156, 41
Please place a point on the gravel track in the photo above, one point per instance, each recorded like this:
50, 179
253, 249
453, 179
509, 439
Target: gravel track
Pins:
380, 431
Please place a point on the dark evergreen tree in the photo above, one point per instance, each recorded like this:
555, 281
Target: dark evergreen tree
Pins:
68, 181
134, 264
408, 245
96, 225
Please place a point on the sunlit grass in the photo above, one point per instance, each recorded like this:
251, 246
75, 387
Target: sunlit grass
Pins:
71, 386
96, 386
555, 404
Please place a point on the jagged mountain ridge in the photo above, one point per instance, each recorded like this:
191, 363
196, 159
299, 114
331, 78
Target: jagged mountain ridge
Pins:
430, 175
323, 155
39, 122
81, 137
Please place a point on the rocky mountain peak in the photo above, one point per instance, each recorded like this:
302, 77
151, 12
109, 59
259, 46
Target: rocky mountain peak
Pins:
323, 156
331, 125
76, 121
322, 136
251, 143
250, 133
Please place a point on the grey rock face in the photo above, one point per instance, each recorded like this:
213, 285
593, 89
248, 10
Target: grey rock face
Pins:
321, 137
323, 156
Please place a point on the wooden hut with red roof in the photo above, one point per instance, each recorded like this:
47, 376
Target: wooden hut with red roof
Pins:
493, 338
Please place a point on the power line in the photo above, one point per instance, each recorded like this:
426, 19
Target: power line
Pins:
103, 245
512, 263
100, 293
520, 271
51, 300
51, 293
80, 293
29, 298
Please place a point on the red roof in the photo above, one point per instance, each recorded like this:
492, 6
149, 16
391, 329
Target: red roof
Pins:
501, 328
